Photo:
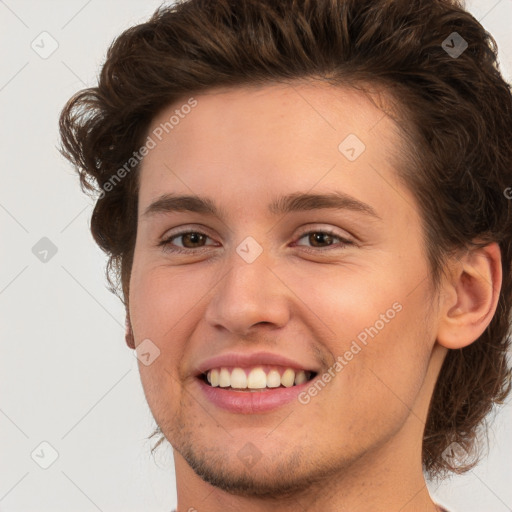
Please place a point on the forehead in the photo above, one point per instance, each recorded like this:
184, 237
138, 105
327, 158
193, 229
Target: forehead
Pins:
263, 139
319, 107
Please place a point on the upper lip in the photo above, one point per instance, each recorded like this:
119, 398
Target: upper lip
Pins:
244, 360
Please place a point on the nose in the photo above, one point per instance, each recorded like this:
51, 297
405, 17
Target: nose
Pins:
249, 294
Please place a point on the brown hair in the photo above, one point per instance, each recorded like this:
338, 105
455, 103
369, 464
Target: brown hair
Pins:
455, 111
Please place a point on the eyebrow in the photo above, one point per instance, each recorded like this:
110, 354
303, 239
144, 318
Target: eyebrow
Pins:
294, 202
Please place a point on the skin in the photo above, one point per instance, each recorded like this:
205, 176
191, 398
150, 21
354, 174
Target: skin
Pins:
356, 446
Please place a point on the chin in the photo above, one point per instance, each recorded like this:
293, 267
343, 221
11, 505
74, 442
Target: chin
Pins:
279, 476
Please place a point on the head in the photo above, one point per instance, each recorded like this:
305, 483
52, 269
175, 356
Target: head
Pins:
244, 101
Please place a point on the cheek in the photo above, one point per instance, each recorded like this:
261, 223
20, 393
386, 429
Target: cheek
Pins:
160, 298
348, 299
158, 307
378, 328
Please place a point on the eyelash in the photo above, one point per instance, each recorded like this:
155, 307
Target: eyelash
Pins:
167, 247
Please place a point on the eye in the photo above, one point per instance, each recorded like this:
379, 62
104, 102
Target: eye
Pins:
193, 240
188, 237
326, 236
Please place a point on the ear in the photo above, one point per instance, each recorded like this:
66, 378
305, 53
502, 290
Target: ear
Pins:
470, 297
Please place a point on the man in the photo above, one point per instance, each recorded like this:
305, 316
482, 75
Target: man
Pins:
306, 204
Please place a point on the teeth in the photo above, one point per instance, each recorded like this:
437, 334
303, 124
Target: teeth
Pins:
288, 378
300, 378
256, 379
239, 379
224, 378
273, 379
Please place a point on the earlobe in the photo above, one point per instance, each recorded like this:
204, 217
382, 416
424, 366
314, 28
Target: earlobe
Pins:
471, 298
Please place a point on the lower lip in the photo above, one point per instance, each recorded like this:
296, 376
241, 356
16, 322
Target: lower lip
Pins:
251, 402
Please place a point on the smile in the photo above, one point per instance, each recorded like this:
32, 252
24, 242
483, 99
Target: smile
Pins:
250, 383
256, 378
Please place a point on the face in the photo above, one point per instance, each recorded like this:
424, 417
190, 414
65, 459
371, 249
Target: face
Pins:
273, 291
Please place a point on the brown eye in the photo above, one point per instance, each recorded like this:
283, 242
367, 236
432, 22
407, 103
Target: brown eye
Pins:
324, 239
190, 239
320, 238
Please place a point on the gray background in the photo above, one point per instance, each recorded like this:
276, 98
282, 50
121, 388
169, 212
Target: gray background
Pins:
67, 377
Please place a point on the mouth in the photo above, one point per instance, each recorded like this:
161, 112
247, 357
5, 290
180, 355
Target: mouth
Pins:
253, 383
261, 378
